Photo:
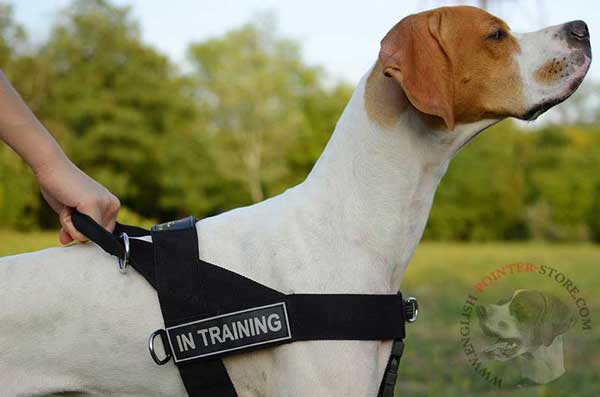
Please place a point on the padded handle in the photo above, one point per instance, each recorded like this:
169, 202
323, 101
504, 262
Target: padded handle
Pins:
92, 230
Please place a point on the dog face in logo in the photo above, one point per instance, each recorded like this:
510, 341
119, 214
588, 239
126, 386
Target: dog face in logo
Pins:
524, 323
529, 326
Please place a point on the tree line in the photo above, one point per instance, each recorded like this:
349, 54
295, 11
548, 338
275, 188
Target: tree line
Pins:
246, 120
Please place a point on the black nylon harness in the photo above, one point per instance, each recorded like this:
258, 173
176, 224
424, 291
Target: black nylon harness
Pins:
210, 312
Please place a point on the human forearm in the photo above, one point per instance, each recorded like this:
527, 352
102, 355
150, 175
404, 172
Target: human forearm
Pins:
23, 132
64, 186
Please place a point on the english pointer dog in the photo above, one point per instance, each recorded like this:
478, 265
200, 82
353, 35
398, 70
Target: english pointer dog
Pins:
70, 322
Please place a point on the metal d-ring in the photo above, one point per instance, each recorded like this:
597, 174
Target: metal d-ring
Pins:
413, 309
163, 337
124, 262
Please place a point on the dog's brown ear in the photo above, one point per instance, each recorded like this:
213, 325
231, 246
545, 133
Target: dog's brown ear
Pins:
413, 55
556, 320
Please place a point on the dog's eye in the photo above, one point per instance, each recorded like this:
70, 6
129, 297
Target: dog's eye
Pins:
498, 35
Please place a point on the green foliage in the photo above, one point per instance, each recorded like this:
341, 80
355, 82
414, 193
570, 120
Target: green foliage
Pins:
257, 96
112, 100
563, 178
18, 193
19, 199
484, 186
511, 184
249, 120
129, 217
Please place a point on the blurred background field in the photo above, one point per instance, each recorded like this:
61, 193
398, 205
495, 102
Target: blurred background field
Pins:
239, 114
15, 242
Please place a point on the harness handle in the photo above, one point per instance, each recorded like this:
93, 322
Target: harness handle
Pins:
105, 239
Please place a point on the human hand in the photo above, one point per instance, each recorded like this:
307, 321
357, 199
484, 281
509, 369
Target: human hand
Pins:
65, 187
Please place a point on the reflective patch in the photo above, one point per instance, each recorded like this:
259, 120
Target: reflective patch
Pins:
228, 332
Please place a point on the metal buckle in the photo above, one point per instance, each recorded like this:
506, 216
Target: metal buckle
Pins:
163, 338
124, 262
413, 309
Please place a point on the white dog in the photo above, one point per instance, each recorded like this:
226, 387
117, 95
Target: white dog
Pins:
70, 322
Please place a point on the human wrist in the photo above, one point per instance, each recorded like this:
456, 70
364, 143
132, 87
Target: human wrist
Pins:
48, 158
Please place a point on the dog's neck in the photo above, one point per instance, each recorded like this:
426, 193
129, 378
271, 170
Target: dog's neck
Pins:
380, 170
544, 364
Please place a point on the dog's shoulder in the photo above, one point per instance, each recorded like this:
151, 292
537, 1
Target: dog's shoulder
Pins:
264, 241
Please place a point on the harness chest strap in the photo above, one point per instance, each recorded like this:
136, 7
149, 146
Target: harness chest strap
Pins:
210, 312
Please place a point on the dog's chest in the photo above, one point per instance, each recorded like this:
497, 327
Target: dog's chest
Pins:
283, 249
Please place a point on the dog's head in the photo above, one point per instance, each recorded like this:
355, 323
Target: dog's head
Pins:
523, 323
463, 65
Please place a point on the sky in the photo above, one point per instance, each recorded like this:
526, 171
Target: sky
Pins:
341, 36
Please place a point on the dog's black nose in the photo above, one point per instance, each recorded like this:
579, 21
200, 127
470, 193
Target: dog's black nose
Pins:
578, 30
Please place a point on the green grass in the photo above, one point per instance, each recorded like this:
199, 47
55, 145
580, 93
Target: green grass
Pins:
12, 242
440, 276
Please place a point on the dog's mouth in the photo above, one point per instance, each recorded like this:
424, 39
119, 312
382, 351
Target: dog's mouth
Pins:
502, 349
583, 60
542, 107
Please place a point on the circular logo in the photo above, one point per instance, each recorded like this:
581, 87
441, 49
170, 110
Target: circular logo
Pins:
515, 337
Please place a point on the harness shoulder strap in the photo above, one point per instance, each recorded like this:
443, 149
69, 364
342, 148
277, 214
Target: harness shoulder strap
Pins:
175, 258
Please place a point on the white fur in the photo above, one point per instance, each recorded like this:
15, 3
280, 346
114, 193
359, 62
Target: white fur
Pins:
69, 321
539, 47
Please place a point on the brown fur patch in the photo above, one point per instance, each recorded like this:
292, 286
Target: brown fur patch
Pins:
384, 98
487, 80
550, 72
